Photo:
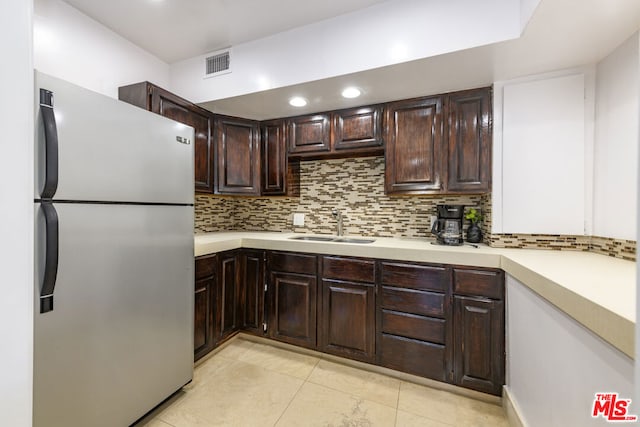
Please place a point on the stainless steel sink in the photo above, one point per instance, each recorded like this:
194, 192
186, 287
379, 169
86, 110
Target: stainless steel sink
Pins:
313, 238
333, 239
353, 240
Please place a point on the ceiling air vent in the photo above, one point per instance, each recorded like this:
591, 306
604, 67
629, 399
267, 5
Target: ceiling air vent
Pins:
218, 63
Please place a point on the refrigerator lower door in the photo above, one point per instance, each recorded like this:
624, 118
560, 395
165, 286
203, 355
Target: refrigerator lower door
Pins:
120, 337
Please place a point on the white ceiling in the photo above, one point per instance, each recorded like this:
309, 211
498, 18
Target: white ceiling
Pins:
174, 30
561, 34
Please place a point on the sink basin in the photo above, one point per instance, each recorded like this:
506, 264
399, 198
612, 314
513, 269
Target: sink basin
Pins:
333, 239
314, 238
353, 240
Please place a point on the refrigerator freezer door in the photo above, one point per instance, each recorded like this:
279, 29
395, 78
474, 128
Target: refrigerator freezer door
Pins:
120, 337
111, 151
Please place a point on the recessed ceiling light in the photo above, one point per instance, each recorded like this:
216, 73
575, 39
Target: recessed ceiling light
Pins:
297, 101
351, 92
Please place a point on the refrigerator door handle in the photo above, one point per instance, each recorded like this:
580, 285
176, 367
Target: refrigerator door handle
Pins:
51, 257
51, 144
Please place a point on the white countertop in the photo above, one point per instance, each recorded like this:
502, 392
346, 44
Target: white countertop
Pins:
596, 290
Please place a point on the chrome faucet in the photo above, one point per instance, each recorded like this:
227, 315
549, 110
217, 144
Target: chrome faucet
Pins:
336, 213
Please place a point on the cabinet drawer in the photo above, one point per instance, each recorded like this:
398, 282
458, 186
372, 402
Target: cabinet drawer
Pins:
339, 268
415, 276
485, 283
412, 356
412, 301
293, 262
413, 326
205, 266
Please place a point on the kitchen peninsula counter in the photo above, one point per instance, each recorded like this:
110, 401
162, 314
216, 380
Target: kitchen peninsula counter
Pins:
596, 290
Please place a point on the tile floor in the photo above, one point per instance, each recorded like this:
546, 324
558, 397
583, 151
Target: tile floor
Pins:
254, 384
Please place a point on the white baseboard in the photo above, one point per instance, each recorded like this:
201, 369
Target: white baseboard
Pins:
514, 415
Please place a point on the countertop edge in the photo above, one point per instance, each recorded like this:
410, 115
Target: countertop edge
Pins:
608, 325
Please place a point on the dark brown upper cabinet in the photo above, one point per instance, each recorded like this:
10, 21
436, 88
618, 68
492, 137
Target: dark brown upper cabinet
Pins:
439, 144
346, 133
469, 141
357, 128
309, 134
414, 146
155, 99
279, 177
238, 156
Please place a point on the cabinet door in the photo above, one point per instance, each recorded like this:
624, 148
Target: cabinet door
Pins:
277, 179
227, 296
238, 161
357, 128
205, 286
203, 322
414, 147
348, 319
469, 140
252, 292
293, 312
479, 344
309, 134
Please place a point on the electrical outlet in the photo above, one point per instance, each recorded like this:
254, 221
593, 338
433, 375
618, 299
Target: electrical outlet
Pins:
298, 219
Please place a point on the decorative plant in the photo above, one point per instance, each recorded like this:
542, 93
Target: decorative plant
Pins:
473, 215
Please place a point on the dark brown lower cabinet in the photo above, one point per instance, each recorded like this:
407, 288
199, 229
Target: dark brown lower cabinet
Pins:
479, 344
348, 319
293, 313
413, 319
433, 320
416, 357
228, 295
205, 287
252, 281
293, 293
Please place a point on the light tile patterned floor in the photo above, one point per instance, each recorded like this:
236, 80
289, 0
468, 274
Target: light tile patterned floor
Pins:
253, 384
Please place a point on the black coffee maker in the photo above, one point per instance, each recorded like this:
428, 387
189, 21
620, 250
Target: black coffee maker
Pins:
448, 226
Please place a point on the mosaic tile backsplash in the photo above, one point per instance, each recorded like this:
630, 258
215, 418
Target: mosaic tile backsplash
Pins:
353, 186
356, 188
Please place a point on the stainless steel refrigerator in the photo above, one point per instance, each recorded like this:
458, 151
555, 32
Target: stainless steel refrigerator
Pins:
113, 327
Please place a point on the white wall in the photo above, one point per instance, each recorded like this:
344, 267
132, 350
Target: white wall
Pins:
542, 153
384, 34
555, 365
533, 161
527, 7
16, 214
638, 270
616, 143
74, 47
